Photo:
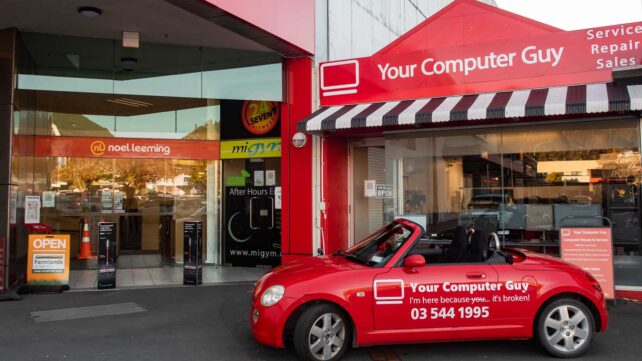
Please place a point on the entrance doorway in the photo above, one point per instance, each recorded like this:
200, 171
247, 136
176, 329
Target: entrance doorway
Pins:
372, 192
148, 199
252, 213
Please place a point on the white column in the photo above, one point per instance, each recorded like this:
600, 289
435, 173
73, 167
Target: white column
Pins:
213, 200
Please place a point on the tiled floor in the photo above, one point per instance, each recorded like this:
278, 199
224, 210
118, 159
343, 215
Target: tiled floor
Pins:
164, 276
140, 261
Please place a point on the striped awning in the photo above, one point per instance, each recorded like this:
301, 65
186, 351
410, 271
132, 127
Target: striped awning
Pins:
557, 101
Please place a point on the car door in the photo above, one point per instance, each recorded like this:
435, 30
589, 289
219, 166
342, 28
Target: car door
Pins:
429, 303
516, 302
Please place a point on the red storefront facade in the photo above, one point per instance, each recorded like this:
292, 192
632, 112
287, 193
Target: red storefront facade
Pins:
480, 116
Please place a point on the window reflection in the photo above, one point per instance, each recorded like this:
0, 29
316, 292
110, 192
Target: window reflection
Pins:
103, 66
524, 182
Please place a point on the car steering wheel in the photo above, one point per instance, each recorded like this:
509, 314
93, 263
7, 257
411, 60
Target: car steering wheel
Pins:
494, 238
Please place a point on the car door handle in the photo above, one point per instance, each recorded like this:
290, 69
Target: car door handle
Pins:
475, 275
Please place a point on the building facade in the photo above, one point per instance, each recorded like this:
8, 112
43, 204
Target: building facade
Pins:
148, 115
151, 114
482, 118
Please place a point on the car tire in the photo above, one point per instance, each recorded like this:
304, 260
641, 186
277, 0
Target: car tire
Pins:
565, 328
322, 333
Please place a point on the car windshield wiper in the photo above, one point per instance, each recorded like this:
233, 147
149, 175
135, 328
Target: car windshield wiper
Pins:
350, 257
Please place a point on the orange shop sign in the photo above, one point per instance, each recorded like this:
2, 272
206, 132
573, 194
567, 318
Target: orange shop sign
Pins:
48, 262
46, 146
260, 116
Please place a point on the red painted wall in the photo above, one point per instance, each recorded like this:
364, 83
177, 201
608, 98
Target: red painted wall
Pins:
277, 17
335, 193
296, 163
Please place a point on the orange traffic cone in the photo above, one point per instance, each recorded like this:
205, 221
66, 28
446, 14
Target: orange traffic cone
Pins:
85, 243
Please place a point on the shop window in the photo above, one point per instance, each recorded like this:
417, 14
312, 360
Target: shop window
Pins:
524, 183
149, 199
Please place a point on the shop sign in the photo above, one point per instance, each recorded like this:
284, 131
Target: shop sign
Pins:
409, 69
252, 230
251, 148
122, 148
260, 117
384, 191
252, 119
592, 250
48, 259
237, 181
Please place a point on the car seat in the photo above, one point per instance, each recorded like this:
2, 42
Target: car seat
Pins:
458, 246
478, 248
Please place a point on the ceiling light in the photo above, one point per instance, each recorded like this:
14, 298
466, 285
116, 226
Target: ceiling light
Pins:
89, 11
128, 63
131, 39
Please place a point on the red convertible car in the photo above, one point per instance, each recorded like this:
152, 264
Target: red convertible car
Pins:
397, 287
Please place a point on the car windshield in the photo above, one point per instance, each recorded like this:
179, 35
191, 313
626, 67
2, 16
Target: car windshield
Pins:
376, 249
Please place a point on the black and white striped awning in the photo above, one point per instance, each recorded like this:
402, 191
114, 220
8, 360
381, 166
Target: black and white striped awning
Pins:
566, 100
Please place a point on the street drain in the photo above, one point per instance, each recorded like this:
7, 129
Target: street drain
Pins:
86, 312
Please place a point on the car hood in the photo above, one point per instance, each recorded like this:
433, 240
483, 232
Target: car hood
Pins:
305, 269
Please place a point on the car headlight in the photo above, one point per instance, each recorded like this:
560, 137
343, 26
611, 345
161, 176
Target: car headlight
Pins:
272, 295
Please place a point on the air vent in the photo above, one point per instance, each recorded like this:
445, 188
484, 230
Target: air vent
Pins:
130, 102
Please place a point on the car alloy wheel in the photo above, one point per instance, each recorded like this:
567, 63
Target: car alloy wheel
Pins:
321, 334
566, 328
327, 336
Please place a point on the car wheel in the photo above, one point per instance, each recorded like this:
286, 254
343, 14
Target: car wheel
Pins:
565, 328
322, 333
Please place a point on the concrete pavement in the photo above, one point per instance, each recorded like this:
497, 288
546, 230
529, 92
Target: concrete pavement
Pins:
211, 323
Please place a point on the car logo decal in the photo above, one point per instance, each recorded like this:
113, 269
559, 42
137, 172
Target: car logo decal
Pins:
389, 292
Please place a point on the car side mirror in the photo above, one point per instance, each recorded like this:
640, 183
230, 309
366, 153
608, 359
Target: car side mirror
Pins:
414, 261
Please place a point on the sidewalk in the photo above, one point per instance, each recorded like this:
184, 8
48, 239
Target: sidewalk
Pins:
164, 277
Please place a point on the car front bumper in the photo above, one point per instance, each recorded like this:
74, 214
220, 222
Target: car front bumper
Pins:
268, 323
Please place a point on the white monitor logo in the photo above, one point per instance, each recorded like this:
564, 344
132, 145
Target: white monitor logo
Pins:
349, 86
394, 292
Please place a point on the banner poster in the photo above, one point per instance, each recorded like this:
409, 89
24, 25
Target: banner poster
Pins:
2, 265
106, 199
192, 253
119, 202
48, 259
48, 199
32, 209
13, 205
252, 234
592, 250
106, 255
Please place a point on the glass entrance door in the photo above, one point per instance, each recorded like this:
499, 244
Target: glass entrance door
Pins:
148, 199
374, 189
